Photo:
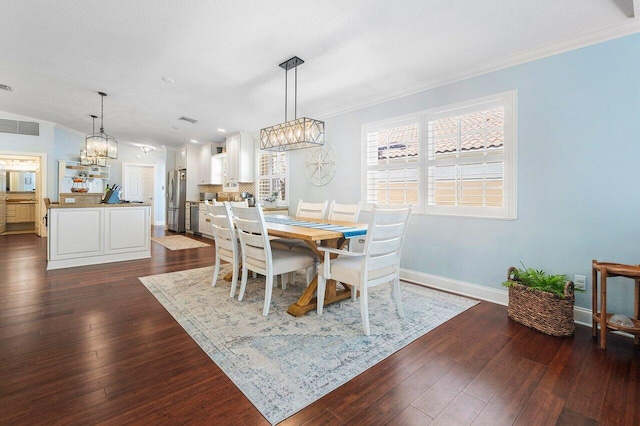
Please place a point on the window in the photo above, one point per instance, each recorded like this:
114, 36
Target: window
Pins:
454, 160
392, 163
272, 175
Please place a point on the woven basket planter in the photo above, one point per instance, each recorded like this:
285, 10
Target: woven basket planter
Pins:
542, 311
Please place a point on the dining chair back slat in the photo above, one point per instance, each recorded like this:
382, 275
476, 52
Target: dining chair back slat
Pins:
344, 212
226, 242
312, 210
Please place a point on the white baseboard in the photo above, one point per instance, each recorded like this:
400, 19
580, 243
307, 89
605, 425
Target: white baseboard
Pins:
501, 297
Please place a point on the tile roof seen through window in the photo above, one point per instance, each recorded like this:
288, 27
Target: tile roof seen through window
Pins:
465, 133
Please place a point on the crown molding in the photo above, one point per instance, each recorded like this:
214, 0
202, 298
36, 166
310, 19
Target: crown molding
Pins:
630, 26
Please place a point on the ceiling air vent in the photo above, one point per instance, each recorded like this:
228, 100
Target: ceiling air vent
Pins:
190, 120
16, 127
5, 87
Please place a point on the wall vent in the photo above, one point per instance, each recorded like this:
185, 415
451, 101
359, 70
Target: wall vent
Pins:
190, 120
16, 127
5, 87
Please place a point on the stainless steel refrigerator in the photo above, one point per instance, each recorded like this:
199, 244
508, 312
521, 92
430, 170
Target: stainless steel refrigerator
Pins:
176, 198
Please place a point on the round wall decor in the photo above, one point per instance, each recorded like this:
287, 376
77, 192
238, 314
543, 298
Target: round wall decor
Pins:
320, 165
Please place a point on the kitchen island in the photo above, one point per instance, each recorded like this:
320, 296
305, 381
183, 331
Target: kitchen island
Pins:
90, 234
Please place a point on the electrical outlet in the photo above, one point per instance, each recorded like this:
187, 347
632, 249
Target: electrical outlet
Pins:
580, 282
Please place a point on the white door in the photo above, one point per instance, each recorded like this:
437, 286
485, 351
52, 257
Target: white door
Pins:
139, 184
37, 208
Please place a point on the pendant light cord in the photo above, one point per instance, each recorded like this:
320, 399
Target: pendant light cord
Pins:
101, 112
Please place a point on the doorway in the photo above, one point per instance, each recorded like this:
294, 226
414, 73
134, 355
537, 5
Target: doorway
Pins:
21, 198
139, 184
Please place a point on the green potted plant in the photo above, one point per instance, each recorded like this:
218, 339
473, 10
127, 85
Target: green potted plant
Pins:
541, 301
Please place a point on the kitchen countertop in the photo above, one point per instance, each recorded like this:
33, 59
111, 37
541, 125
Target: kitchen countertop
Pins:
85, 206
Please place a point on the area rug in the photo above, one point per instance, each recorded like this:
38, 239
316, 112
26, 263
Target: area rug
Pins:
178, 242
282, 363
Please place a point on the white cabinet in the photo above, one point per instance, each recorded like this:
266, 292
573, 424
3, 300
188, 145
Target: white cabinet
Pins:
76, 233
181, 158
204, 166
239, 161
127, 229
93, 235
204, 221
210, 167
218, 173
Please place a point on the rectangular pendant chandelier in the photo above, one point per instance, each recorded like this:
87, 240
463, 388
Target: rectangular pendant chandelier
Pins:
293, 134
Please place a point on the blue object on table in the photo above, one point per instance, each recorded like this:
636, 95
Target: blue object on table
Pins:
347, 231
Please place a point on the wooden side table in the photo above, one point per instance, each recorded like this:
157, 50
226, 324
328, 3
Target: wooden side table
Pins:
601, 317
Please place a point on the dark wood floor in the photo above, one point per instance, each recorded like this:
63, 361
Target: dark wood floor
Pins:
91, 345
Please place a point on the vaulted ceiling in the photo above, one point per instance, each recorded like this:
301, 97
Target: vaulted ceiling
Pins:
217, 61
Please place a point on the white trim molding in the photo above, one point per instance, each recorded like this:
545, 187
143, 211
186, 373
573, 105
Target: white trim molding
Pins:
581, 316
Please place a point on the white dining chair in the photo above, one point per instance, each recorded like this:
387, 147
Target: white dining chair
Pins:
226, 242
378, 264
258, 256
312, 210
344, 212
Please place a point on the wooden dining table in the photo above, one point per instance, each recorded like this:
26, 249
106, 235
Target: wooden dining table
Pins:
314, 238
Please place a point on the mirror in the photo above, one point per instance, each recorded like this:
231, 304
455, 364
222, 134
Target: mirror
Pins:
21, 181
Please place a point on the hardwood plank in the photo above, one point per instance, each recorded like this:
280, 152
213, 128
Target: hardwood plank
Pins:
411, 416
461, 411
566, 364
542, 408
590, 383
573, 418
480, 351
325, 417
400, 397
508, 402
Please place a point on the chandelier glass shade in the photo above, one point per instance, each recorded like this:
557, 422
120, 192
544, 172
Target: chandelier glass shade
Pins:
101, 145
292, 134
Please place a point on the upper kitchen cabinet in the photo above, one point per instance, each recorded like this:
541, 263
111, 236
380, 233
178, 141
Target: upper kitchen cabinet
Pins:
240, 166
181, 158
210, 169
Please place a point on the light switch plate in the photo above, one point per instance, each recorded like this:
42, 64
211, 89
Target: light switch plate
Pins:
580, 282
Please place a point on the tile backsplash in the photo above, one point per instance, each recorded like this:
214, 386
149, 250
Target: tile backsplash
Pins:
243, 187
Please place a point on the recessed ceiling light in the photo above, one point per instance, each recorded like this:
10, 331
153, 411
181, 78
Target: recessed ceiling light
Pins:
222, 130
194, 141
168, 80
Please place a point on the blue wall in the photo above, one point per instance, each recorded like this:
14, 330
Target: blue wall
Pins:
578, 171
